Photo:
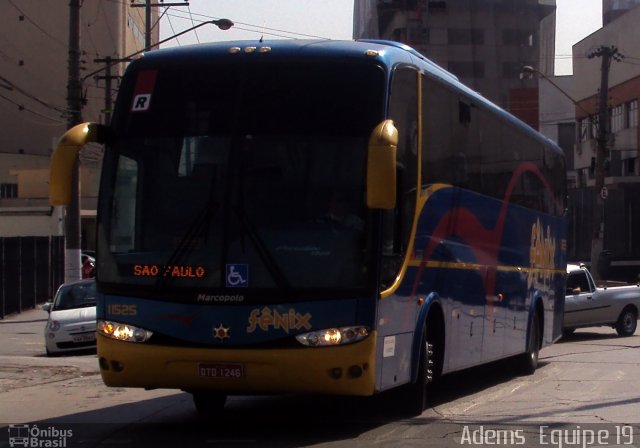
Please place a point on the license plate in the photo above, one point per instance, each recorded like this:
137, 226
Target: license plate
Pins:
86, 337
221, 370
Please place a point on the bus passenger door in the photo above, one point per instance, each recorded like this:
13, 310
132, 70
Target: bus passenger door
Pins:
397, 309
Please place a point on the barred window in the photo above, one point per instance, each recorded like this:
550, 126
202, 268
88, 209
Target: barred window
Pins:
632, 114
8, 191
588, 128
617, 118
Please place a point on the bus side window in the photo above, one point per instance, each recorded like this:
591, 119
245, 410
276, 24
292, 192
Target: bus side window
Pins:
449, 127
125, 205
397, 223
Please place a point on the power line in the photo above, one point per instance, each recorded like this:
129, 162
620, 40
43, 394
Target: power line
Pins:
33, 97
193, 23
55, 39
21, 108
107, 23
260, 29
173, 31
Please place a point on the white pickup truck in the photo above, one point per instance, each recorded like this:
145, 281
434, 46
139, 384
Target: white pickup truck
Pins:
587, 305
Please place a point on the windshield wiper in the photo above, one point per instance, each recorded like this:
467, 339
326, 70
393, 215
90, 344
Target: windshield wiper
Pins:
185, 245
246, 226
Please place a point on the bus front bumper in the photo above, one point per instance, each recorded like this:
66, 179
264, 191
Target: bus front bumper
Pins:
341, 370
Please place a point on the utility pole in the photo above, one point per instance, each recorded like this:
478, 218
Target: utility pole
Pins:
147, 16
72, 269
607, 54
110, 62
147, 24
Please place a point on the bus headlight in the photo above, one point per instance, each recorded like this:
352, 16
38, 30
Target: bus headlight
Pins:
333, 336
123, 332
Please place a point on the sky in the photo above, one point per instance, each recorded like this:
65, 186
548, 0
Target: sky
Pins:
333, 19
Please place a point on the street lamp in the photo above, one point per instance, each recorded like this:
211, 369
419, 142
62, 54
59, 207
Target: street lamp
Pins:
223, 24
529, 71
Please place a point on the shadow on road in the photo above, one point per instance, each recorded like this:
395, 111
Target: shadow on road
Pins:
19, 322
283, 421
579, 336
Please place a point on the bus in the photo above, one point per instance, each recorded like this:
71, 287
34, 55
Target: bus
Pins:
317, 217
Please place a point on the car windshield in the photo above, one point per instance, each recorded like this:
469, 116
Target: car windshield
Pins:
242, 177
79, 295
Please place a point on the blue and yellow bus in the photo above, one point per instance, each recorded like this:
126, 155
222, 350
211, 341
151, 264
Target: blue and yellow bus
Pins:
317, 217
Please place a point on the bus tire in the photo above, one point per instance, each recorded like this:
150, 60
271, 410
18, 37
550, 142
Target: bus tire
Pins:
527, 363
415, 397
209, 403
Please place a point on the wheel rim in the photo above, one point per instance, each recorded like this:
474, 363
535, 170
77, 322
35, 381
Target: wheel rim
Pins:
428, 363
535, 336
628, 321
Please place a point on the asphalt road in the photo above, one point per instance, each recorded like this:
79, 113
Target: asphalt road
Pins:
590, 381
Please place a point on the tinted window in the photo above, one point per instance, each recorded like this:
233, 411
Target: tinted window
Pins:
242, 176
474, 147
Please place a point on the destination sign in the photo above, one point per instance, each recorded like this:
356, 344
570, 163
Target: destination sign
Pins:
175, 271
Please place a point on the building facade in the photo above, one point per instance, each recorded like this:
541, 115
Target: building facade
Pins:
612, 9
33, 105
34, 37
621, 224
483, 42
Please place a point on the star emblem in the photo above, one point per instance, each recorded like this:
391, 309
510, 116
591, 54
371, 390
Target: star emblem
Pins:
221, 332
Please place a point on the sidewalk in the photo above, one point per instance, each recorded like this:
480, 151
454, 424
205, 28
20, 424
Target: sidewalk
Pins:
23, 362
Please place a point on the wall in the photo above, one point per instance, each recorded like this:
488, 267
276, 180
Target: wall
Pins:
623, 33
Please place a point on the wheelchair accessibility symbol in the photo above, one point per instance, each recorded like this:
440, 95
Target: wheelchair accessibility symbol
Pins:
237, 275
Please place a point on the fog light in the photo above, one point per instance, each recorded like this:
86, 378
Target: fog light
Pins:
104, 364
355, 371
117, 366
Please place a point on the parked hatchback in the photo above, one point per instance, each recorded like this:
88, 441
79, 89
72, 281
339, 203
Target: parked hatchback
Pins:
72, 318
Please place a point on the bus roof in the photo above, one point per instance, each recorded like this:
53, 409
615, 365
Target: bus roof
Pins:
387, 53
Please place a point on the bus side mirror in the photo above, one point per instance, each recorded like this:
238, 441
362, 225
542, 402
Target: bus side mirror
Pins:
65, 155
381, 166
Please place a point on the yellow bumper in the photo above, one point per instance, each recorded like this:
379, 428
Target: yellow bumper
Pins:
343, 370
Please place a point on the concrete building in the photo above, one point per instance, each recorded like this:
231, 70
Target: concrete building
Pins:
557, 116
33, 83
484, 42
612, 9
33, 112
622, 169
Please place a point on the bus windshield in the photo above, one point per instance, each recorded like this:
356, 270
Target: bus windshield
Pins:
242, 176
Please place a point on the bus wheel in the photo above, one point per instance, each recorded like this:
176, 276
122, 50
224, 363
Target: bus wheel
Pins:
527, 363
416, 393
209, 403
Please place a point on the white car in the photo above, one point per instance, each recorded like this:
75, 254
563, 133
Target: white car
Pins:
72, 318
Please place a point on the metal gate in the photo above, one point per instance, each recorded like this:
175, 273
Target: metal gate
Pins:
31, 269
